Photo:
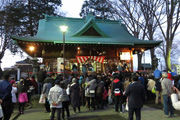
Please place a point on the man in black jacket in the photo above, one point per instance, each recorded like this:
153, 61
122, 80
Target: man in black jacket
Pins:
158, 91
136, 94
41, 75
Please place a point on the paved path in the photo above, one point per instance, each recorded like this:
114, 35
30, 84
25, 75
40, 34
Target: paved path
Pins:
148, 113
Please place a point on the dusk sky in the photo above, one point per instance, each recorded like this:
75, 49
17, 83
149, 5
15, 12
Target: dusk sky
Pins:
72, 8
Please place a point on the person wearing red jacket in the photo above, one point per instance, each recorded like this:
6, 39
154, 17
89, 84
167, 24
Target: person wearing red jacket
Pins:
169, 76
34, 84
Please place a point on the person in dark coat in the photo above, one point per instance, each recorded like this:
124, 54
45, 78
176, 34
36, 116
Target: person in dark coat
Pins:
84, 68
34, 84
50, 79
28, 84
126, 73
158, 92
46, 88
75, 95
141, 78
90, 94
41, 75
74, 68
136, 95
55, 77
99, 95
65, 101
117, 89
6, 97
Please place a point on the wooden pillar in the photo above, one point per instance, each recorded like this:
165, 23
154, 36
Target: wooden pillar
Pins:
131, 59
96, 66
79, 68
117, 54
102, 67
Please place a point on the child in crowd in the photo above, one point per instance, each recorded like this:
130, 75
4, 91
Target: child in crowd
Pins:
13, 92
23, 99
105, 97
109, 96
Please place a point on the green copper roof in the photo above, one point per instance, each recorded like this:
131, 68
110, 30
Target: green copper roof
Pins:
109, 32
87, 25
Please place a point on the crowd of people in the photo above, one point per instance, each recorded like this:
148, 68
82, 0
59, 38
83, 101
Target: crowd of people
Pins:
124, 90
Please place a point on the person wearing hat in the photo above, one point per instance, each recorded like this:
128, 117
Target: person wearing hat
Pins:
166, 93
55, 99
75, 95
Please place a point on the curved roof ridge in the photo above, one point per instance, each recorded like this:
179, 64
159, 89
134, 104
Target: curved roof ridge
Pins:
86, 26
48, 17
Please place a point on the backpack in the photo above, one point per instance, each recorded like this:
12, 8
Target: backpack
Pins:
99, 91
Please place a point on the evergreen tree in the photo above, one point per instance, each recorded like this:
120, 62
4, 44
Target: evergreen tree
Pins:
28, 13
20, 18
100, 8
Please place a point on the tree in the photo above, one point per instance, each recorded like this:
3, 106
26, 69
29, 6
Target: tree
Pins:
100, 9
28, 12
149, 16
149, 8
168, 24
3, 29
130, 13
20, 17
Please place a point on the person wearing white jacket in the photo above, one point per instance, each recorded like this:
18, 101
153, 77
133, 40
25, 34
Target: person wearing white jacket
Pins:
55, 99
175, 99
13, 93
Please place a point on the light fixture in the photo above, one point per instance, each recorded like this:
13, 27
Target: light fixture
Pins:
142, 50
78, 48
31, 48
63, 28
43, 52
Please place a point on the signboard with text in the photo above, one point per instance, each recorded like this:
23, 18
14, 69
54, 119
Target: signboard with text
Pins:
125, 56
40, 60
178, 69
59, 61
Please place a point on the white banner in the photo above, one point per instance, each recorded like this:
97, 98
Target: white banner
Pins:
125, 56
59, 61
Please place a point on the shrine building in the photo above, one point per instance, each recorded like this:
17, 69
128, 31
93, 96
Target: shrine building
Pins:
86, 39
